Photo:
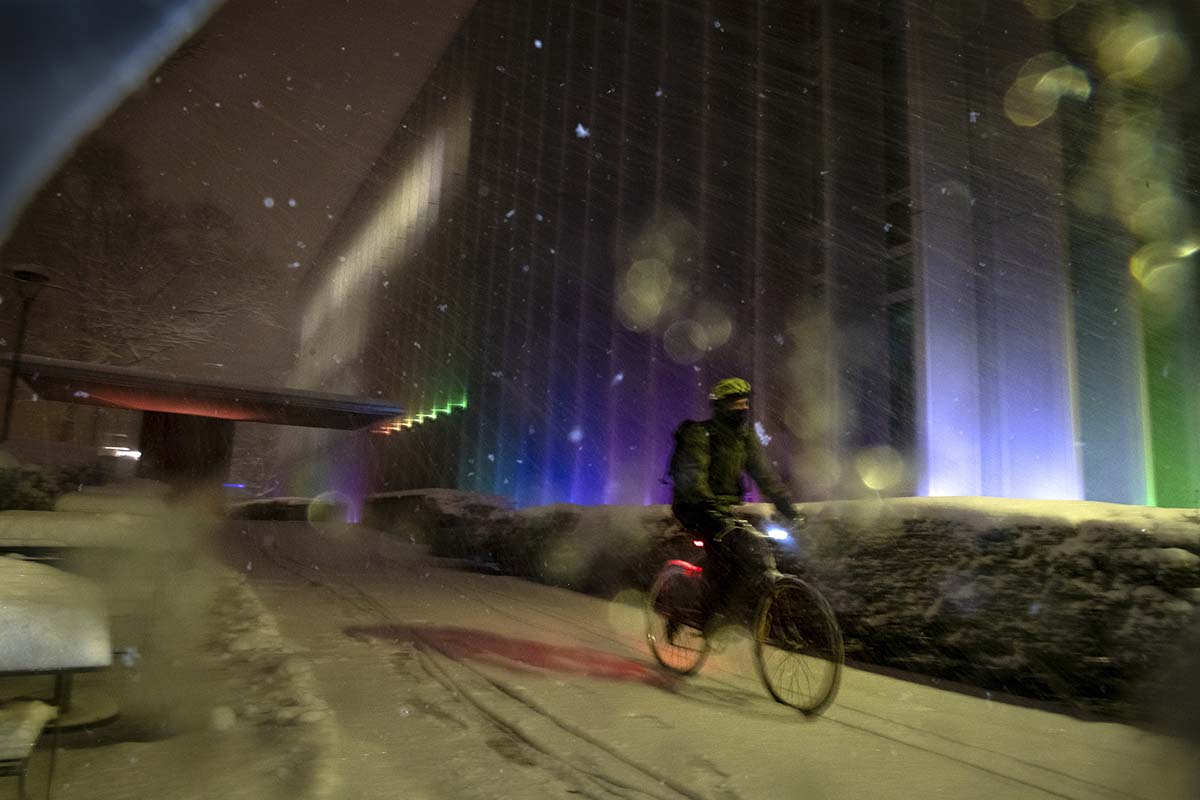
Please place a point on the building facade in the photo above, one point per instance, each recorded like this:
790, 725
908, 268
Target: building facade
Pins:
597, 208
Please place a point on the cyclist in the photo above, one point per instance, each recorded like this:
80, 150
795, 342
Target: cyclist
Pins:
707, 468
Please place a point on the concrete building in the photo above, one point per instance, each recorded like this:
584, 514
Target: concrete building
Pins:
870, 210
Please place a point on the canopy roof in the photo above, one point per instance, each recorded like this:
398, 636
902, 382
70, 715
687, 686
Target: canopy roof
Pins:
140, 390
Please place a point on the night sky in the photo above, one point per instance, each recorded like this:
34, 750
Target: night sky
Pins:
283, 100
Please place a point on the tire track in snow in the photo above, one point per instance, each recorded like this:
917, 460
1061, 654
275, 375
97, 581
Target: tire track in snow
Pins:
535, 726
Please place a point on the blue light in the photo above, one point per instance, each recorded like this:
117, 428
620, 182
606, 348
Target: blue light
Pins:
777, 533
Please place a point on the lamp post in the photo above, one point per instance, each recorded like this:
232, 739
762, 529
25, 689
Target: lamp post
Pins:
30, 278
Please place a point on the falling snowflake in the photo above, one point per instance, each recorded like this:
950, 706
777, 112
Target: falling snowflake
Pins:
761, 432
417, 345
257, 104
491, 457
294, 265
512, 212
82, 394
620, 376
300, 244
887, 227
443, 307
658, 92
779, 339
537, 43
575, 436
269, 202
292, 202
524, 268
538, 217
974, 115
581, 131
717, 24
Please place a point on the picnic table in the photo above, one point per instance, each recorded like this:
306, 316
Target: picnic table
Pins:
54, 623
51, 623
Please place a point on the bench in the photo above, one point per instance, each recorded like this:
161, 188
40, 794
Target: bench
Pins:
21, 723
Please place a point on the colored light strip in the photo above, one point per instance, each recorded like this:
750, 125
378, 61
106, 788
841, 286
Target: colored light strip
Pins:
410, 422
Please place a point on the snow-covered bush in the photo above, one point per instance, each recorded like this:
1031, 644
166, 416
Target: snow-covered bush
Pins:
454, 523
28, 489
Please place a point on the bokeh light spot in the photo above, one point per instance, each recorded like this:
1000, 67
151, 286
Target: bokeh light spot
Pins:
686, 342
880, 468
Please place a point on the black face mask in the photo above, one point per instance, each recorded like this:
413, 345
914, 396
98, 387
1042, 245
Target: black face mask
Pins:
733, 418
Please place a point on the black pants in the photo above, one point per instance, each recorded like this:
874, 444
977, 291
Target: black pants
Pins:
737, 557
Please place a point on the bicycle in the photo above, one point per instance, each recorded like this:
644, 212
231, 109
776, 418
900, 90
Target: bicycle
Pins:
798, 649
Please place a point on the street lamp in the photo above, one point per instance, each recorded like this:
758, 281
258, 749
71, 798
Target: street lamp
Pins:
30, 278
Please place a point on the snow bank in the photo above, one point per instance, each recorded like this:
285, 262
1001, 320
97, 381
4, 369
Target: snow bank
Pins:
1058, 599
1068, 600
111, 502
77, 529
447, 518
284, 689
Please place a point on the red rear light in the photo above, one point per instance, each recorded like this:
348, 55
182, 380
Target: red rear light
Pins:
688, 567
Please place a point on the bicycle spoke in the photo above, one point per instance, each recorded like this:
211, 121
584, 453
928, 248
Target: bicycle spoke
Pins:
798, 647
672, 621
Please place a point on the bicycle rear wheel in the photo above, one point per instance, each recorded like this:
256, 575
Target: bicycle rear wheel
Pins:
673, 619
798, 646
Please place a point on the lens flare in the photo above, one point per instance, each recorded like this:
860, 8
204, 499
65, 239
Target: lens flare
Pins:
1042, 82
686, 342
880, 468
1142, 49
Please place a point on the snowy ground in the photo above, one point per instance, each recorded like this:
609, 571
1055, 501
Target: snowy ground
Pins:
338, 661
213, 702
447, 683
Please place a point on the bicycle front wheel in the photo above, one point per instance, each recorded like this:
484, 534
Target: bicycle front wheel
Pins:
798, 646
673, 625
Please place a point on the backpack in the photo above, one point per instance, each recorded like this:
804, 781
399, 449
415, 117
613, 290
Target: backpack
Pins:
668, 477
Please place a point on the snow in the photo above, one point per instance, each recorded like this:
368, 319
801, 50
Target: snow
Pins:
52, 620
1034, 595
570, 676
96, 502
21, 723
85, 529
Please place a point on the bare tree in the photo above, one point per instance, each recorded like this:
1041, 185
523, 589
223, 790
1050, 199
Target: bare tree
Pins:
146, 279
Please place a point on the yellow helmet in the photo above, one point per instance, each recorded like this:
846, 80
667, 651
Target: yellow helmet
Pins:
729, 389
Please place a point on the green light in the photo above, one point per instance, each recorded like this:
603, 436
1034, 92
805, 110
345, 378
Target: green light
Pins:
442, 411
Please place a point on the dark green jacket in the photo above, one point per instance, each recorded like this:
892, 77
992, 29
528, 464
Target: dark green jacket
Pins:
708, 464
